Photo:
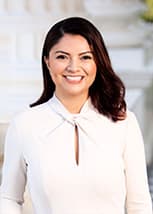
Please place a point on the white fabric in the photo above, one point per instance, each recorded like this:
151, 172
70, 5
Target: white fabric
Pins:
40, 150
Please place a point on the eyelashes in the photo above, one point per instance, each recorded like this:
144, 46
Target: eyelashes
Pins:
86, 57
61, 57
64, 57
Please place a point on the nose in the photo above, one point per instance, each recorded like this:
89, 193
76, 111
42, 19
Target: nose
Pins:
73, 65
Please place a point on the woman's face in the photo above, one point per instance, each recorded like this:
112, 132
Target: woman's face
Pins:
72, 66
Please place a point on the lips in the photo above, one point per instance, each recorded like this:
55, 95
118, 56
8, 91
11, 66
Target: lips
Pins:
74, 78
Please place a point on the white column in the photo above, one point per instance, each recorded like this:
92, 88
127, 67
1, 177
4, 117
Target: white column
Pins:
16, 7
55, 7
79, 6
25, 47
2, 6
5, 47
66, 7
72, 7
36, 6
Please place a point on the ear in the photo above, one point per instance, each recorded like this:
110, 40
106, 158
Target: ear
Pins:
46, 60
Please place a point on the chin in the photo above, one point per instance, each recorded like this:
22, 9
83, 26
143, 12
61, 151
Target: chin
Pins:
77, 93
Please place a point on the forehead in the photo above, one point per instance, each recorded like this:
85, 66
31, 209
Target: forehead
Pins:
72, 42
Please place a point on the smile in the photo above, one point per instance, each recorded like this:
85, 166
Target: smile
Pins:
74, 78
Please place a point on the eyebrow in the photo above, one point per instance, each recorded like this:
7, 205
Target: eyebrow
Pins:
64, 52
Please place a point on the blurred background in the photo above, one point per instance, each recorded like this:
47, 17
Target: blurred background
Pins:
127, 28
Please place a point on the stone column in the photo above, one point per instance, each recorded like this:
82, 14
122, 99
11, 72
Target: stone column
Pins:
16, 7
55, 7
73, 7
36, 6
2, 6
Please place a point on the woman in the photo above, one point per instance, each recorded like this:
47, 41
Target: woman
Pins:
78, 148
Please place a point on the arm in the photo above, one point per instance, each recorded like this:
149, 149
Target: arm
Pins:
13, 174
138, 196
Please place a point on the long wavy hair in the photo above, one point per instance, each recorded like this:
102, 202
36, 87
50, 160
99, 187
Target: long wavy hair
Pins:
107, 91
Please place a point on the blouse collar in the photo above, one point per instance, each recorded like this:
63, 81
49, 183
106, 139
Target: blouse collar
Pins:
87, 110
85, 120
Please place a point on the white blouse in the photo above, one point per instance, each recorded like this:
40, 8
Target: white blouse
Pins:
40, 151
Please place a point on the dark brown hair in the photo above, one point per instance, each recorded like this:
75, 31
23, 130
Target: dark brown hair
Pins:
107, 91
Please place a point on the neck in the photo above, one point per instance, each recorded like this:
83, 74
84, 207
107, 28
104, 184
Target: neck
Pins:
73, 103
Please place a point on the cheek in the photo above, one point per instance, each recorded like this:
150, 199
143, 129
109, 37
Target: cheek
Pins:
56, 72
93, 70
56, 68
92, 74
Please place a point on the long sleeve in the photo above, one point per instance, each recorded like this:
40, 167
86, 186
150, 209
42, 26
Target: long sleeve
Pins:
13, 174
138, 196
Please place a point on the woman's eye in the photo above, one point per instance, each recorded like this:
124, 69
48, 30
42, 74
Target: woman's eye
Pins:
61, 57
86, 57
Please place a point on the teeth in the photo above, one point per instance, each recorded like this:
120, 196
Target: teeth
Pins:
74, 78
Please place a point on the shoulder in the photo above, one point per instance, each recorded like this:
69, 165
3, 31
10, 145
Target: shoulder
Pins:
131, 117
133, 127
130, 122
33, 116
30, 113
